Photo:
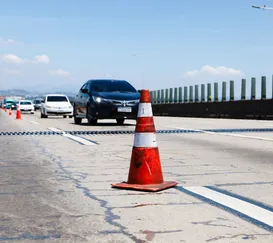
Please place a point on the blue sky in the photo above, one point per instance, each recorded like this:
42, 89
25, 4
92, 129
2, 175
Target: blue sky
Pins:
61, 44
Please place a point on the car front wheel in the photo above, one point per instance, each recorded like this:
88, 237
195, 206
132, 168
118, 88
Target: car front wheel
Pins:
120, 121
43, 116
90, 120
77, 120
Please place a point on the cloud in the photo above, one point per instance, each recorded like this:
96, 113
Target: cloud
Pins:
7, 41
42, 59
11, 58
14, 59
219, 71
59, 72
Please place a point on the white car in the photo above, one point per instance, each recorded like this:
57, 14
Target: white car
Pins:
26, 105
56, 105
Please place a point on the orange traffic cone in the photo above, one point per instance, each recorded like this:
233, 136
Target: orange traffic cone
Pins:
18, 114
145, 173
10, 112
5, 109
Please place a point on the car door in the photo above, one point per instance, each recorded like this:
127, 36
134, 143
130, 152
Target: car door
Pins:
78, 102
85, 98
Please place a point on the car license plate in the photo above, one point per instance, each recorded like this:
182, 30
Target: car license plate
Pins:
124, 109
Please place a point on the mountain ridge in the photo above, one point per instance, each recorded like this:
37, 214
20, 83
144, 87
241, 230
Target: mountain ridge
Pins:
23, 92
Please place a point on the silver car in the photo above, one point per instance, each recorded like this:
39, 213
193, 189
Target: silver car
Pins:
37, 104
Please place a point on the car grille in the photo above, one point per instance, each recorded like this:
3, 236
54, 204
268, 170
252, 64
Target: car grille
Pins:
124, 102
56, 112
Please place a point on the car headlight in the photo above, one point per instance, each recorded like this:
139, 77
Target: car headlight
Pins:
97, 99
100, 100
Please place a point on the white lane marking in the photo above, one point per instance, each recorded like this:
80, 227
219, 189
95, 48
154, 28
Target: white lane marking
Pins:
246, 208
146, 140
55, 129
145, 110
78, 139
75, 138
224, 134
34, 122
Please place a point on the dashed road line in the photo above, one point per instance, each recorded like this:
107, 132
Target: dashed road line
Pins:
34, 122
224, 134
226, 192
92, 141
248, 210
80, 140
54, 129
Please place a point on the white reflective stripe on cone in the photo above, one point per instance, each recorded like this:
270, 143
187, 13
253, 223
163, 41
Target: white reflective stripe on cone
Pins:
147, 140
145, 110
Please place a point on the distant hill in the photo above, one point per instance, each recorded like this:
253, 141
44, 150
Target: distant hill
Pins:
22, 92
14, 92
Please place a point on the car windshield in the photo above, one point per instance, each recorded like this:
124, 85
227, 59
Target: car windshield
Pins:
25, 103
112, 86
37, 102
57, 99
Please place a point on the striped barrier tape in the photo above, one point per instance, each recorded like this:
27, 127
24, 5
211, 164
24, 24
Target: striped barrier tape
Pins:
120, 132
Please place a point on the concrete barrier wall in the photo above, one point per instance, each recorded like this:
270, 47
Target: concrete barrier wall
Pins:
241, 109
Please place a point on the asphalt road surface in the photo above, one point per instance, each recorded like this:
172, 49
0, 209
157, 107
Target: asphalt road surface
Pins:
57, 188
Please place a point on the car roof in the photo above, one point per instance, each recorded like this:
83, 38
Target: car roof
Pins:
55, 95
25, 101
116, 80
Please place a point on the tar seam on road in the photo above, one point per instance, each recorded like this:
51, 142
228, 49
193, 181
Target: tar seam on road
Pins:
110, 217
31, 237
228, 209
246, 183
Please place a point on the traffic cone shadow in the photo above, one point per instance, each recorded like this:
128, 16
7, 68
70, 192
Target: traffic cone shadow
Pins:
145, 172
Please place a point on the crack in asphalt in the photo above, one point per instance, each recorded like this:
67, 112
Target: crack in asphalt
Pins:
243, 236
28, 236
110, 217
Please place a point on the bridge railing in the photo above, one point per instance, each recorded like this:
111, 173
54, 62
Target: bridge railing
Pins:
191, 94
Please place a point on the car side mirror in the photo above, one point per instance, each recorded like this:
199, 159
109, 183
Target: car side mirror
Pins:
85, 91
42, 101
